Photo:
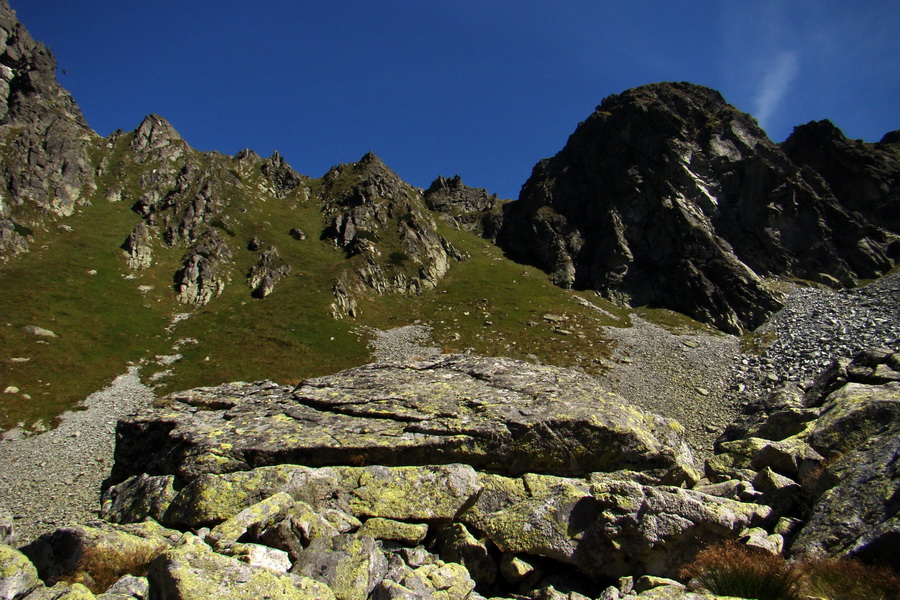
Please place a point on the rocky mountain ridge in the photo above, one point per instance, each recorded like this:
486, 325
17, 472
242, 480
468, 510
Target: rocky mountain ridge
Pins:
668, 196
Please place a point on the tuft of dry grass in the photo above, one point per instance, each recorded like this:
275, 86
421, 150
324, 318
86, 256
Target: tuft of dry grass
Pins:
731, 569
847, 579
102, 566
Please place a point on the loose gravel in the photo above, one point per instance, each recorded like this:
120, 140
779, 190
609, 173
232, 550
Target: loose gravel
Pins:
53, 478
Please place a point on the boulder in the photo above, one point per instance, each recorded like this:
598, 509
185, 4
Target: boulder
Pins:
137, 498
456, 544
192, 571
619, 527
409, 534
18, 576
496, 414
351, 565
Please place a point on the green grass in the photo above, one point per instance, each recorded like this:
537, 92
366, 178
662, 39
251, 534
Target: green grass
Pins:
492, 306
102, 320
486, 304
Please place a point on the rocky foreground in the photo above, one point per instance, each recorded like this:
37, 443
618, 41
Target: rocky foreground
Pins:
468, 477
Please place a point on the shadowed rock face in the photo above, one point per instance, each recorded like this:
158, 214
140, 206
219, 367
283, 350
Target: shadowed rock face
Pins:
864, 177
492, 413
669, 196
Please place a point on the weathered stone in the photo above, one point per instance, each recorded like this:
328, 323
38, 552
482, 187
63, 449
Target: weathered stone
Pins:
74, 591
59, 552
351, 565
266, 273
457, 545
137, 498
444, 581
18, 576
757, 537
618, 525
193, 571
858, 516
128, 586
853, 414
138, 248
39, 331
410, 534
265, 512
514, 568
498, 414
413, 493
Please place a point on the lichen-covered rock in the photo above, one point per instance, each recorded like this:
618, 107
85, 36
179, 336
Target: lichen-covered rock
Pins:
351, 565
270, 510
193, 571
409, 534
18, 576
60, 552
617, 525
74, 591
858, 515
127, 588
425, 493
457, 545
496, 414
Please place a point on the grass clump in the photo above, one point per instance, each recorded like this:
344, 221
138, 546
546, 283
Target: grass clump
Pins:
731, 569
102, 566
845, 579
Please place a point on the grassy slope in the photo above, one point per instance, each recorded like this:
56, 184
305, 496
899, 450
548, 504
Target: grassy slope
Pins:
486, 304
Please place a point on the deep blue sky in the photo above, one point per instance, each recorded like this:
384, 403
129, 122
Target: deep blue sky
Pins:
480, 88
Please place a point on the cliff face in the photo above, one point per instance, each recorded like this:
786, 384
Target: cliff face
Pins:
666, 195
44, 149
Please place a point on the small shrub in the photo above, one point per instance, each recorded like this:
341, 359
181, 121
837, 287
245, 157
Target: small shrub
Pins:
730, 569
847, 579
398, 258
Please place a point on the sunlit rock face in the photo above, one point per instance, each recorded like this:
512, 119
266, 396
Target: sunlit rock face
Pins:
667, 195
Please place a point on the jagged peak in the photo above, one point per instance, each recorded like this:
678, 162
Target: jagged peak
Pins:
154, 132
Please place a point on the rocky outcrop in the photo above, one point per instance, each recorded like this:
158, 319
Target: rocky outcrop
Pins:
45, 137
382, 225
668, 196
497, 414
138, 248
824, 459
204, 272
865, 178
472, 209
266, 273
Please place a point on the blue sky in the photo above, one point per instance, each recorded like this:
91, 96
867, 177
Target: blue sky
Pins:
483, 89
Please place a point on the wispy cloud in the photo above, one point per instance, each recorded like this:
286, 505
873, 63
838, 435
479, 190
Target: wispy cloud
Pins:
778, 77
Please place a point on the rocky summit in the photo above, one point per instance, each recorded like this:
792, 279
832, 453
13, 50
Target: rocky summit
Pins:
483, 453
668, 196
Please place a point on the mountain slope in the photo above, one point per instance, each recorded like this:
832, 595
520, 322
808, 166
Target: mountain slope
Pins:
668, 196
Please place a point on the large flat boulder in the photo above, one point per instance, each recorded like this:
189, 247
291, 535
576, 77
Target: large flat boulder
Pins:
495, 414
